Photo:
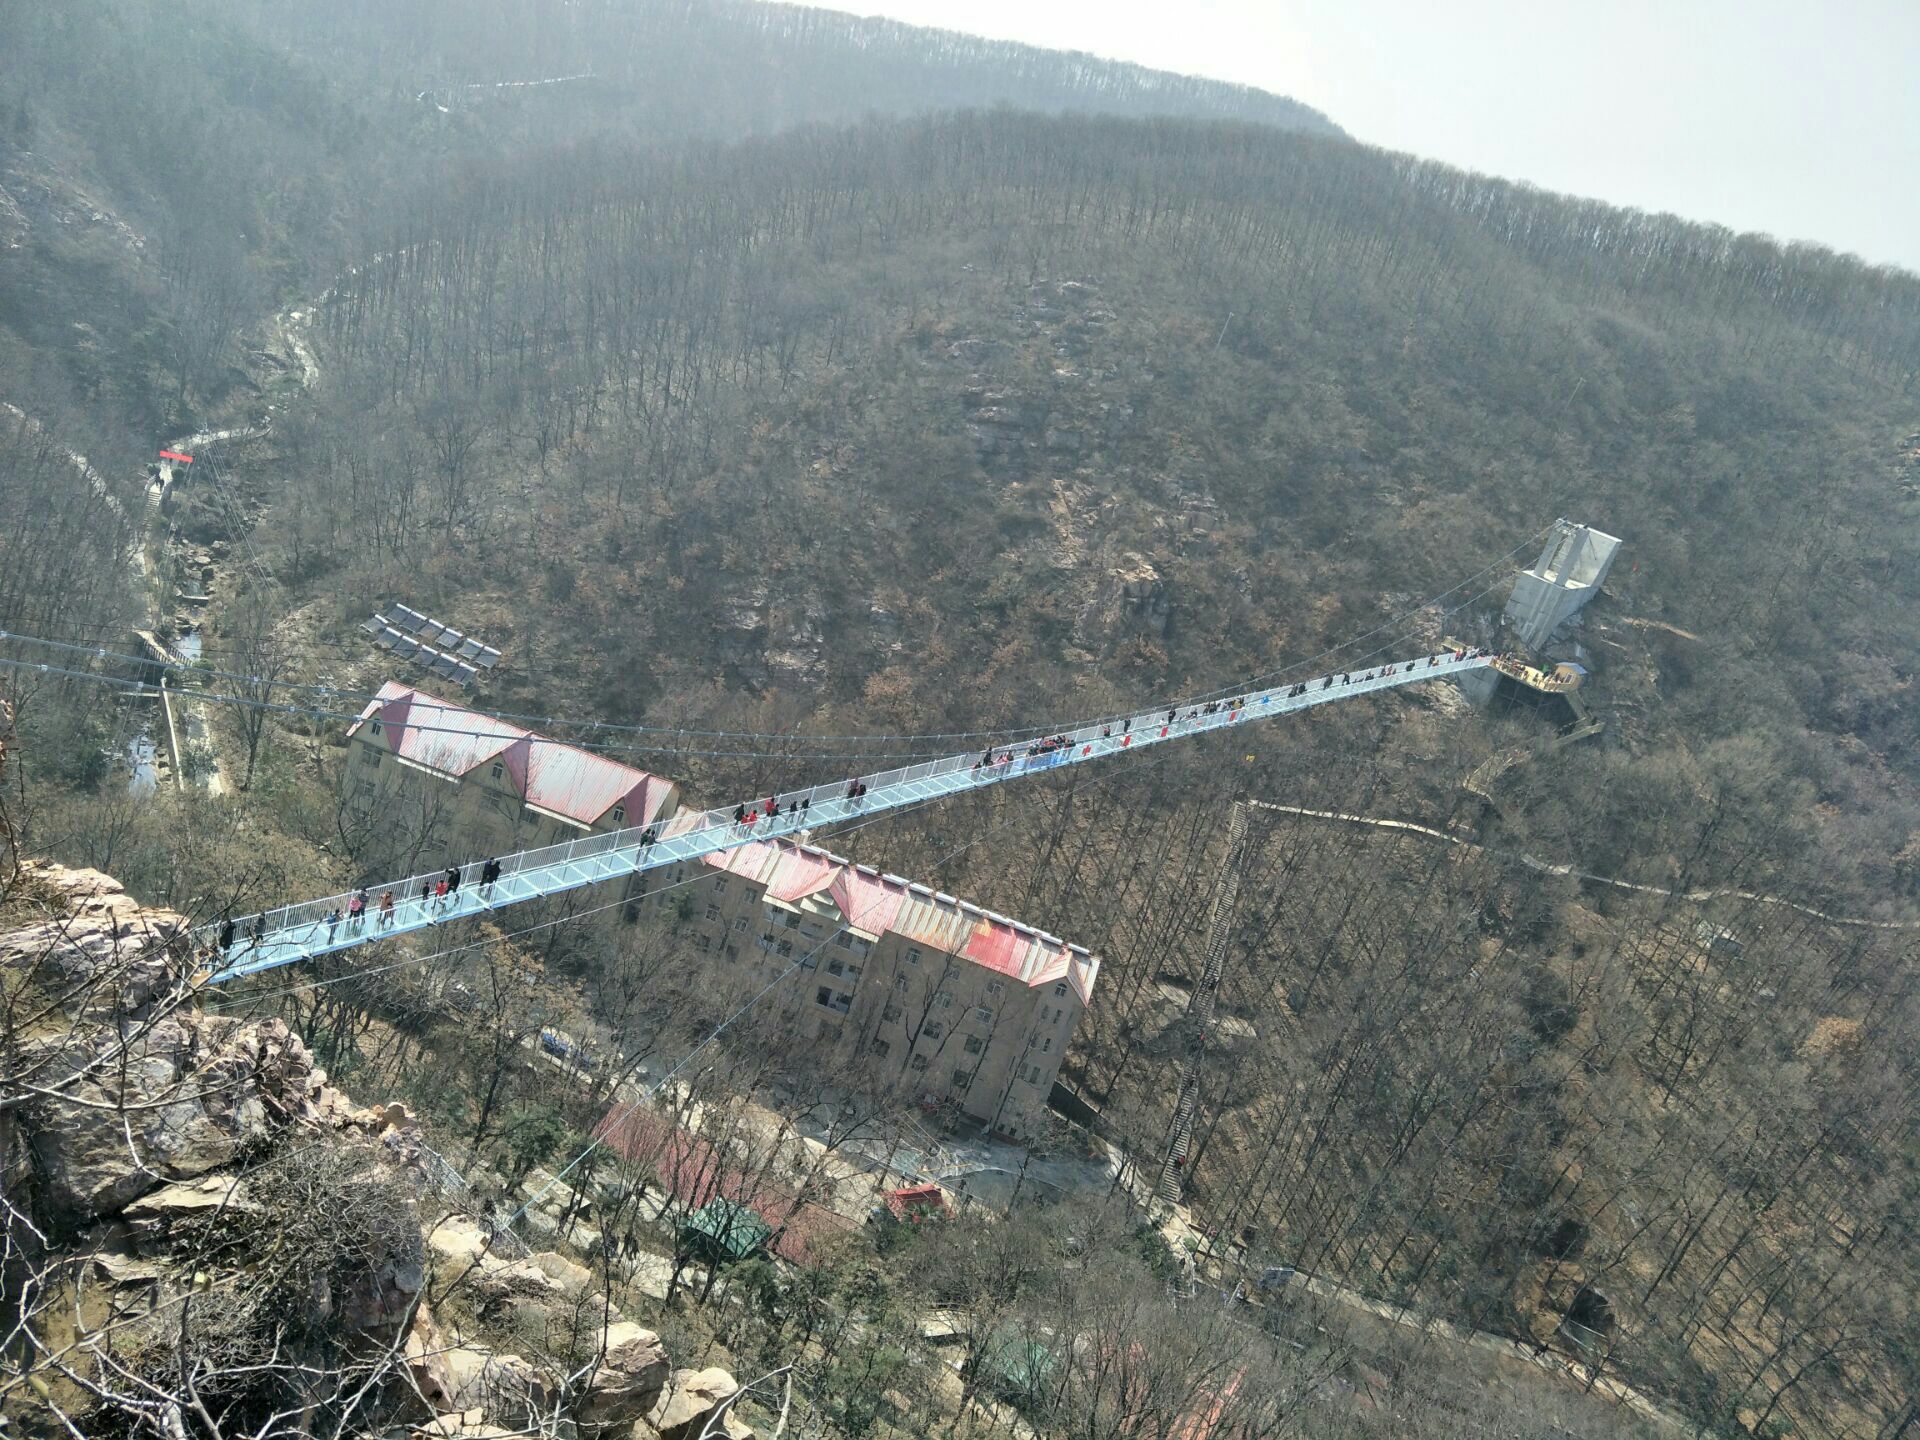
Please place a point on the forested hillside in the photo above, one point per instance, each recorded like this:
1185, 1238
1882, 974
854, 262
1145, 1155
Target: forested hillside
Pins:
742, 384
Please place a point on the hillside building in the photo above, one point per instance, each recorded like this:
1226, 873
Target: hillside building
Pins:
917, 992
460, 786
905, 989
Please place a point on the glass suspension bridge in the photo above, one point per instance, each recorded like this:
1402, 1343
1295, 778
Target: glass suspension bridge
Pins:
293, 933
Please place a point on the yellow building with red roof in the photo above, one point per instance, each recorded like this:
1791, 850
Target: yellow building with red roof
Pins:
463, 785
945, 1002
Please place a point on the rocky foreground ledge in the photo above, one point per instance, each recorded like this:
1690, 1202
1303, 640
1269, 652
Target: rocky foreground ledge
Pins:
204, 1236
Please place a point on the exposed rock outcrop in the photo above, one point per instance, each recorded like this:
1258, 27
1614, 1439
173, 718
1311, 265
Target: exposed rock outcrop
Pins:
201, 1164
685, 1410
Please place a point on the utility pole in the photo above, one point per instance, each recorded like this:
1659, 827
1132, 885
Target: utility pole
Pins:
1220, 917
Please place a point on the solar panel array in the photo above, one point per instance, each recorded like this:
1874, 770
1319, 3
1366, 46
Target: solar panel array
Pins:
438, 649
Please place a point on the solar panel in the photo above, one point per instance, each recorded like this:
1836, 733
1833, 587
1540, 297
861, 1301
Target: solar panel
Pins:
436, 647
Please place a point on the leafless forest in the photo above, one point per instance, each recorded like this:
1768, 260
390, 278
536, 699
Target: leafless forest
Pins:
801, 387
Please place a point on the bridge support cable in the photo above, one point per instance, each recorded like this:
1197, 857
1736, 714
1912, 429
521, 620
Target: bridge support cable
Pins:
292, 933
1220, 918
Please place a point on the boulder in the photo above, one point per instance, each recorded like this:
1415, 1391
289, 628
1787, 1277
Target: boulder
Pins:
627, 1384
106, 955
455, 1246
573, 1280
175, 1099
504, 1389
683, 1412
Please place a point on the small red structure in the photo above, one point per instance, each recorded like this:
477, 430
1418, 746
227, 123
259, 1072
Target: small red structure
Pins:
176, 456
914, 1203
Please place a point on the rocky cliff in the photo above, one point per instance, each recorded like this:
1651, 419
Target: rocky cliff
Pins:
205, 1238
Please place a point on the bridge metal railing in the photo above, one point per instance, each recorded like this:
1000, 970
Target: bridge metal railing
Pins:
291, 933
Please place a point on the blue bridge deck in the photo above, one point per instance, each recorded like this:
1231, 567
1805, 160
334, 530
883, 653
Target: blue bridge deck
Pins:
299, 932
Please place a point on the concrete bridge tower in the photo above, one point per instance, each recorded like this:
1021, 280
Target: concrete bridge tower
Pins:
1569, 573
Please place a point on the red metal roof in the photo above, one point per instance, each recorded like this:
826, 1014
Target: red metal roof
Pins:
559, 778
886, 904
696, 1172
909, 1198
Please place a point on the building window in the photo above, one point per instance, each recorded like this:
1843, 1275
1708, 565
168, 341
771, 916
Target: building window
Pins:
789, 919
900, 983
740, 925
879, 1048
823, 996
375, 727
619, 814
891, 1013
1033, 1075
994, 987
983, 1015
913, 956
961, 1079
1046, 1045
369, 756
1060, 990
733, 952
703, 943
785, 947
933, 1030
919, 1062
498, 769
713, 912
720, 885
975, 1045
943, 999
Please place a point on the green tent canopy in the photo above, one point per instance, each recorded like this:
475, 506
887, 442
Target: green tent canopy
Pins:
721, 1231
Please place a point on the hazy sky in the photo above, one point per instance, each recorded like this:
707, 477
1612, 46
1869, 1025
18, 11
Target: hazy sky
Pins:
1802, 120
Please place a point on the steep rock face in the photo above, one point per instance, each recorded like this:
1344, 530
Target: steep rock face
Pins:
104, 955
183, 1095
187, 1154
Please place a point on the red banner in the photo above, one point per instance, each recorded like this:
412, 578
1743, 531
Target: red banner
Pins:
176, 455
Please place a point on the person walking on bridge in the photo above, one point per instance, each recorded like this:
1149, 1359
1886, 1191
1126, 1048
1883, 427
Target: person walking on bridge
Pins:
226, 935
386, 909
